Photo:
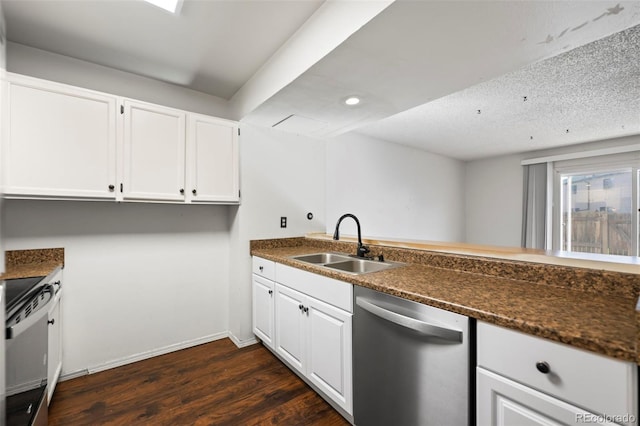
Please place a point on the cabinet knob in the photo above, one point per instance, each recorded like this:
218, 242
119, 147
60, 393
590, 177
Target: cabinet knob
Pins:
112, 188
194, 192
182, 191
261, 268
270, 291
51, 321
305, 310
300, 307
543, 367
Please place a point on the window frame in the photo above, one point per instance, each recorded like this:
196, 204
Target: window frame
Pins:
587, 165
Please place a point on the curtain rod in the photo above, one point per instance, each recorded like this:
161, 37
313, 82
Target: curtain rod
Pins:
582, 154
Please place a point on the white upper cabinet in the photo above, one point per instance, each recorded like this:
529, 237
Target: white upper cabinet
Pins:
59, 141
153, 152
212, 160
64, 142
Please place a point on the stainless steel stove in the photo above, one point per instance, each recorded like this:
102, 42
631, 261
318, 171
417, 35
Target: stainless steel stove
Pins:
26, 343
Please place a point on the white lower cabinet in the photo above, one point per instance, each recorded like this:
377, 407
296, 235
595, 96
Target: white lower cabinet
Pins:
306, 320
290, 327
329, 351
263, 309
315, 339
54, 357
503, 402
525, 380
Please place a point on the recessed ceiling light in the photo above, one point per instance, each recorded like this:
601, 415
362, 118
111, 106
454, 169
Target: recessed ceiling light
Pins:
352, 100
172, 6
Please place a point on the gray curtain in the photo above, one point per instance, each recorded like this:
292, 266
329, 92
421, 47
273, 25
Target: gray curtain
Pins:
534, 206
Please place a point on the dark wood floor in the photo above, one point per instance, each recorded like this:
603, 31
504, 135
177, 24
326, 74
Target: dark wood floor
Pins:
211, 384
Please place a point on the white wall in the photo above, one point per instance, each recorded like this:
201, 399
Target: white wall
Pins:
494, 192
172, 260
38, 63
493, 209
146, 277
138, 278
281, 175
395, 191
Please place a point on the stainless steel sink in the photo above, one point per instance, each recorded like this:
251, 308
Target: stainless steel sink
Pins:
360, 266
322, 258
346, 263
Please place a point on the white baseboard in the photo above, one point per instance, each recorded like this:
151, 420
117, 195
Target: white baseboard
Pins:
242, 343
155, 352
73, 375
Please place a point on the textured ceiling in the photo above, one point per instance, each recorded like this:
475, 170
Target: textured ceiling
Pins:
415, 53
212, 46
587, 94
422, 68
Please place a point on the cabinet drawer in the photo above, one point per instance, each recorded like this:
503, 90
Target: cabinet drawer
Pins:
328, 290
597, 383
264, 268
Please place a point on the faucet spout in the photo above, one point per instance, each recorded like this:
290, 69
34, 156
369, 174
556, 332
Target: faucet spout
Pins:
362, 249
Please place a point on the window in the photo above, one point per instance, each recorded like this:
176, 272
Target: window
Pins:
595, 207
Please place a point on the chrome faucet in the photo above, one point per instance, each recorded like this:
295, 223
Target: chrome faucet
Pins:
362, 249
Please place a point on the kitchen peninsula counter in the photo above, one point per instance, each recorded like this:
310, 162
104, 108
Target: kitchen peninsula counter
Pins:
586, 308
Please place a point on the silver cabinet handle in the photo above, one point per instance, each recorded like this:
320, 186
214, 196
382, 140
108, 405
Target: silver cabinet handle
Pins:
422, 327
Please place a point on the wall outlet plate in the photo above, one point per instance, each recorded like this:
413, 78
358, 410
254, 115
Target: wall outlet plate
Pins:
283, 222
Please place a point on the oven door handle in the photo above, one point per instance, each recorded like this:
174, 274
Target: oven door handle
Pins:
19, 328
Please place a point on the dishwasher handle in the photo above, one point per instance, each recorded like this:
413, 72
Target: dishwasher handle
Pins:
422, 327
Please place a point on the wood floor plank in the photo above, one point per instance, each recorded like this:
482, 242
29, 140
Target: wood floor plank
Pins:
211, 384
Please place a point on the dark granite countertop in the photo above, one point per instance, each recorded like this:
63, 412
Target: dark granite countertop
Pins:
588, 309
32, 263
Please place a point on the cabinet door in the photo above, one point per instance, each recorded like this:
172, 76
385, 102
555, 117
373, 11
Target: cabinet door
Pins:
55, 347
329, 351
60, 141
502, 402
290, 324
263, 312
212, 160
514, 354
153, 150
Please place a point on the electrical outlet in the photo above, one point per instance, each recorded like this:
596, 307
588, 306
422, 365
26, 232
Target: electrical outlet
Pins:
283, 222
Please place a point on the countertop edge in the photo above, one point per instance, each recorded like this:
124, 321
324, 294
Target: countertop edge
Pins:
601, 345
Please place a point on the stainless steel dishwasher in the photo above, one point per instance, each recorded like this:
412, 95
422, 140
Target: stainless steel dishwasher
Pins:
411, 363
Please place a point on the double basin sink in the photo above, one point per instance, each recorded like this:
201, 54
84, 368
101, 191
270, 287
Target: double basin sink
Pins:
346, 263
